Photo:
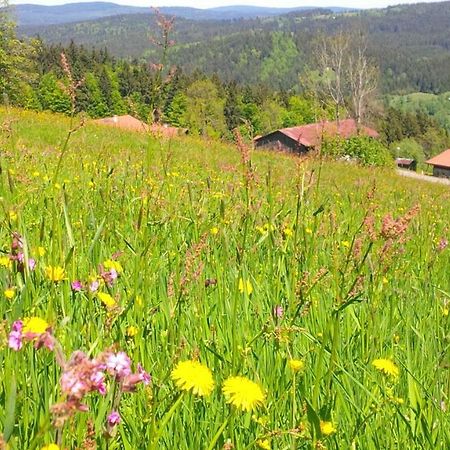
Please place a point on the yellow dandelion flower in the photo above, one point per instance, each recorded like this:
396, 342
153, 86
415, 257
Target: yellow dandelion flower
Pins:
5, 262
243, 393
9, 293
288, 232
214, 231
132, 331
327, 428
106, 299
12, 216
245, 287
264, 444
296, 365
55, 274
34, 325
308, 230
345, 244
110, 264
41, 251
387, 367
192, 375
50, 447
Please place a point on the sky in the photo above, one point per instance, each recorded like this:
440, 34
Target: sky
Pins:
214, 3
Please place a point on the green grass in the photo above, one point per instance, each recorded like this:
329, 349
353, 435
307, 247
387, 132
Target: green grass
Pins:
298, 231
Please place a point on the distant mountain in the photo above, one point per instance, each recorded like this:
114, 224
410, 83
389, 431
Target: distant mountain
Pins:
410, 43
38, 15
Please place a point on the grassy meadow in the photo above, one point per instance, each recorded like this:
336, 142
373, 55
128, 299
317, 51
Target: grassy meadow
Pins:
324, 285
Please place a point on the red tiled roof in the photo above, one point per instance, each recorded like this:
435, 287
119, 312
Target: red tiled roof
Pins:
126, 122
310, 135
442, 160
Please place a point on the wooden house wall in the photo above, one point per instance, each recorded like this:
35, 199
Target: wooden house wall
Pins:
279, 141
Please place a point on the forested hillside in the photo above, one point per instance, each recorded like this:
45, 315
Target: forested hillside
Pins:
411, 44
41, 15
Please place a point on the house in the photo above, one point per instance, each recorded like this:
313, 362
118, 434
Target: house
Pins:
441, 164
406, 163
306, 137
128, 122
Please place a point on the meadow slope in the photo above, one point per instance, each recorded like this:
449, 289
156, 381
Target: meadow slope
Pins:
325, 284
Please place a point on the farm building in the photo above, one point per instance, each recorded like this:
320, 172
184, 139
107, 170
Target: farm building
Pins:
306, 137
441, 164
406, 163
128, 122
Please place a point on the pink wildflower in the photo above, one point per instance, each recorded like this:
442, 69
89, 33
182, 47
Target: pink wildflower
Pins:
94, 285
76, 285
118, 364
278, 311
114, 419
15, 336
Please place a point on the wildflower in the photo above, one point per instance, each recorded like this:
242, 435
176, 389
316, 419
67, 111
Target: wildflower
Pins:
193, 375
287, 232
15, 336
111, 264
387, 367
12, 216
6, 262
145, 376
82, 375
296, 365
327, 428
114, 419
243, 393
41, 251
130, 381
118, 364
245, 287
278, 311
20, 257
94, 285
132, 331
76, 285
34, 325
31, 329
55, 274
9, 293
106, 299
264, 444
50, 447
214, 231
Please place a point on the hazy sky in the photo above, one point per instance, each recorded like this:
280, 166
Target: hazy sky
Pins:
212, 3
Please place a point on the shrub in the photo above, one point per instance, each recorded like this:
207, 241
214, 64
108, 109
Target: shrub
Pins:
367, 151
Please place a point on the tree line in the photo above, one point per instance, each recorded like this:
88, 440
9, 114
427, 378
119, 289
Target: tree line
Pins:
32, 77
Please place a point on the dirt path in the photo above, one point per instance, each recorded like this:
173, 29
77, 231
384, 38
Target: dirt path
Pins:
418, 176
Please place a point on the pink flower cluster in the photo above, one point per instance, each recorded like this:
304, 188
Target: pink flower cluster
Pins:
83, 375
17, 336
109, 277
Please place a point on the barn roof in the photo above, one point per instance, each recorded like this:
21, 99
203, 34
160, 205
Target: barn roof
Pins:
128, 122
442, 160
311, 135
